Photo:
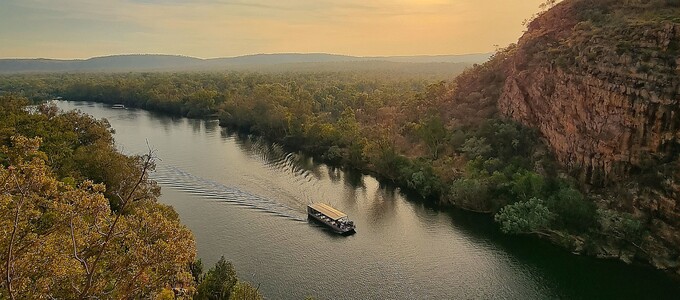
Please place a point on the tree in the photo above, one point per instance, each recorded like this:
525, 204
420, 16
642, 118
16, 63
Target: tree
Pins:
475, 147
245, 291
196, 268
526, 185
61, 239
622, 226
530, 216
218, 283
471, 194
433, 132
574, 212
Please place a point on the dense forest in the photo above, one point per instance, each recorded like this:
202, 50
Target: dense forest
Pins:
80, 220
398, 128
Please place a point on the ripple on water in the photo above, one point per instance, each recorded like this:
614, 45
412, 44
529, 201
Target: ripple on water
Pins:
178, 179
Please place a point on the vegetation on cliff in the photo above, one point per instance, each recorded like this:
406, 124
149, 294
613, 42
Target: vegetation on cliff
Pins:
599, 81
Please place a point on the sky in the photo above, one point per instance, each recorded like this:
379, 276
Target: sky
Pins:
70, 29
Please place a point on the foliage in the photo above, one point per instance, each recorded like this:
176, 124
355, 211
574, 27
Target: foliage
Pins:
196, 268
245, 291
64, 238
64, 242
218, 283
221, 282
531, 216
498, 171
574, 211
622, 226
433, 132
165, 294
526, 185
471, 193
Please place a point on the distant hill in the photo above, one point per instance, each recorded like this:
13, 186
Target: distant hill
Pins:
289, 58
153, 62
99, 64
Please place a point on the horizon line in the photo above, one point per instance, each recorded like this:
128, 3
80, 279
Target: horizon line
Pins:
237, 56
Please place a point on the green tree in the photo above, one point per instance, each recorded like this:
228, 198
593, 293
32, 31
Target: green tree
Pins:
470, 193
433, 132
574, 212
218, 283
531, 216
475, 147
196, 268
245, 291
526, 185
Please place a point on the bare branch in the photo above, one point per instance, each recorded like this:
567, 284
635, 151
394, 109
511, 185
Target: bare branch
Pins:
10, 247
75, 248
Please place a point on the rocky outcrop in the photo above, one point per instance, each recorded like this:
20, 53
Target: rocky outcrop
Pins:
600, 80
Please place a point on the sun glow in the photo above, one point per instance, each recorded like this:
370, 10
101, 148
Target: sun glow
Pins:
212, 28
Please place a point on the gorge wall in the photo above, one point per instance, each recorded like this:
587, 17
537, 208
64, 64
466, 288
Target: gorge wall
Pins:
600, 80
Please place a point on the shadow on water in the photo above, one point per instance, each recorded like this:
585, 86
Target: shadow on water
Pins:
595, 278
166, 121
211, 126
334, 174
83, 104
196, 125
354, 178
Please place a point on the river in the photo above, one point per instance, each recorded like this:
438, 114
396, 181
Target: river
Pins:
245, 199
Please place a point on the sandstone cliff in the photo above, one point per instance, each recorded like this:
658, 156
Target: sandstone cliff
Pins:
600, 80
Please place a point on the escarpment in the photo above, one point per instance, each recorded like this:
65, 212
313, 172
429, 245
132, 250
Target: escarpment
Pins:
600, 80
605, 98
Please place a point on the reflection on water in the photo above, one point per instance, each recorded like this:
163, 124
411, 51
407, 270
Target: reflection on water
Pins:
211, 126
245, 198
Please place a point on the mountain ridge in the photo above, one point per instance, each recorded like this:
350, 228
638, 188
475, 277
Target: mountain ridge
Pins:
167, 62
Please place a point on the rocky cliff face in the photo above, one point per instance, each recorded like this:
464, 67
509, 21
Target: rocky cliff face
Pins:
600, 80
605, 97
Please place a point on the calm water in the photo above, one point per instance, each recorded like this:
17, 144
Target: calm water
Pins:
245, 199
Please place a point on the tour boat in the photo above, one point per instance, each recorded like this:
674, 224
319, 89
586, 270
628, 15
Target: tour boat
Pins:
118, 106
331, 217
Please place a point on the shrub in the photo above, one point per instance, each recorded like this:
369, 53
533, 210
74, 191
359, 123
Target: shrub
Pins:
471, 194
531, 216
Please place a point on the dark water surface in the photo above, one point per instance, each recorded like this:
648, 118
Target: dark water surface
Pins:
245, 199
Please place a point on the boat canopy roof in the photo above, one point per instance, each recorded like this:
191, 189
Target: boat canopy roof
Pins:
328, 211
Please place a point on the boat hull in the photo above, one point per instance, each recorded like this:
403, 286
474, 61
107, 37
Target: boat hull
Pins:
336, 229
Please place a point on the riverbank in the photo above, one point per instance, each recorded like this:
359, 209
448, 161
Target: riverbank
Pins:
574, 243
245, 198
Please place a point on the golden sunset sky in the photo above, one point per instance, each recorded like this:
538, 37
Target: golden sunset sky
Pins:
220, 28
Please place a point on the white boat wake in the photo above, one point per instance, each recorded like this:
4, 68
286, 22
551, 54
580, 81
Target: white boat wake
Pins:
175, 178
